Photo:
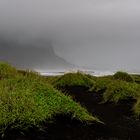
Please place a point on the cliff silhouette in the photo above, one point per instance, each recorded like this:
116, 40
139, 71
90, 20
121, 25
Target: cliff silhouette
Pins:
36, 55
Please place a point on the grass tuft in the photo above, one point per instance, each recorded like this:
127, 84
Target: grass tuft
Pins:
119, 90
123, 76
7, 71
100, 84
73, 79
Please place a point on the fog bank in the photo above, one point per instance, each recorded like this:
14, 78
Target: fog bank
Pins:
99, 34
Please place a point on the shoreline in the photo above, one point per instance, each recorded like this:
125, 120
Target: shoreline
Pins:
92, 73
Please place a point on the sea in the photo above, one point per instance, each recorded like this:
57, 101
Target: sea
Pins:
86, 71
62, 72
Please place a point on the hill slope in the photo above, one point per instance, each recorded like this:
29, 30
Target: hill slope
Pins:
39, 55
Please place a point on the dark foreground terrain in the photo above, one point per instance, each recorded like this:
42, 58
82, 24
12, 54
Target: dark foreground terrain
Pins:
119, 122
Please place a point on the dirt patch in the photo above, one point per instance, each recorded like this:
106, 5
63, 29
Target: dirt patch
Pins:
118, 118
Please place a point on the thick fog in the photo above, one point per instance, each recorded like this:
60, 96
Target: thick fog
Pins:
98, 34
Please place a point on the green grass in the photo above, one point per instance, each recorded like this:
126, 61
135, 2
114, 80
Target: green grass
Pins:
51, 79
120, 86
136, 78
7, 71
123, 76
73, 79
118, 90
27, 100
100, 84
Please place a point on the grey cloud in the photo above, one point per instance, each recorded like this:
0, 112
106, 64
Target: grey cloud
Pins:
102, 34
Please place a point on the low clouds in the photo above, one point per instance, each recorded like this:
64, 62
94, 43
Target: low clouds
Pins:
102, 34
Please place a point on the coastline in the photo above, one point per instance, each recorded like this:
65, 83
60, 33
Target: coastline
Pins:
97, 73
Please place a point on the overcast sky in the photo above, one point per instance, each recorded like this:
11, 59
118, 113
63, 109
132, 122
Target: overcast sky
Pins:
101, 34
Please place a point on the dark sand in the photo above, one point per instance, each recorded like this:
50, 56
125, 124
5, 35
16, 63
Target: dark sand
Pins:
118, 118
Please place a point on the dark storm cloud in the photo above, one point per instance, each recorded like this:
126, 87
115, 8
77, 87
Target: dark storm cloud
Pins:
103, 34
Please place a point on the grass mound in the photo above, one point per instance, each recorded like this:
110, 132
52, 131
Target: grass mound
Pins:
27, 101
73, 79
7, 71
118, 90
101, 84
123, 76
51, 79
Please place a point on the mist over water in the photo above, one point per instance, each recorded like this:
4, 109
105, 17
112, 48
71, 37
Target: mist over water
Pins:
69, 34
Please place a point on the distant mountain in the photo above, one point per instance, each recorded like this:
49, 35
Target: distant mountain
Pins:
39, 55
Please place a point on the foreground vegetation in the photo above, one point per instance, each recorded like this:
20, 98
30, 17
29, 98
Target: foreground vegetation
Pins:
28, 100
